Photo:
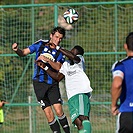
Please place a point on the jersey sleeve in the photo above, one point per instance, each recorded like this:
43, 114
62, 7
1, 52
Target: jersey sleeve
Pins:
82, 62
62, 69
118, 70
35, 46
61, 58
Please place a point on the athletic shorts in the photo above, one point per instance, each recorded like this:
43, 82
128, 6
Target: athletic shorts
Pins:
125, 122
47, 94
79, 105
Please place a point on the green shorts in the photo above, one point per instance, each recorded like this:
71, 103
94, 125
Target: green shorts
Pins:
79, 105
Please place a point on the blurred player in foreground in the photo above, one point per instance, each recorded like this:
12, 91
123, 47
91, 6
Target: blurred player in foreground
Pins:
47, 89
2, 103
122, 89
77, 85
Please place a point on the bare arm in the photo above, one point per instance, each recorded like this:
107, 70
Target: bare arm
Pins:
70, 55
55, 75
115, 94
20, 52
55, 65
1, 104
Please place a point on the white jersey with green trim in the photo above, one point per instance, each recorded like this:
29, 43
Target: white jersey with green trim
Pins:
76, 81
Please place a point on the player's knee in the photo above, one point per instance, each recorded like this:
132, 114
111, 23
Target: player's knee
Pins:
59, 113
58, 110
78, 123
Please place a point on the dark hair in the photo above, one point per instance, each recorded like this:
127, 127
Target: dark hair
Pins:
58, 29
79, 49
129, 41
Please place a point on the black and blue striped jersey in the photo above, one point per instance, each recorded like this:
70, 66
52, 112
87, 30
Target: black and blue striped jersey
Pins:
40, 47
126, 98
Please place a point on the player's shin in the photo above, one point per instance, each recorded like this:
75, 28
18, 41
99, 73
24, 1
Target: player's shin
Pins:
55, 127
86, 126
64, 123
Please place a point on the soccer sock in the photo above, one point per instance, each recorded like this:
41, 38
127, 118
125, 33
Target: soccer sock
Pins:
86, 126
64, 123
81, 131
55, 127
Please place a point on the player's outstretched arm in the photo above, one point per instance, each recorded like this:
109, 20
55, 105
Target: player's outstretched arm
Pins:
2, 103
55, 75
20, 52
68, 54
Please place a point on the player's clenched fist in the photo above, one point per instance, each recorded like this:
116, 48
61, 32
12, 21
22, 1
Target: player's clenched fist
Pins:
15, 47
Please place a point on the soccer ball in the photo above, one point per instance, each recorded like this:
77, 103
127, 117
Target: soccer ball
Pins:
71, 16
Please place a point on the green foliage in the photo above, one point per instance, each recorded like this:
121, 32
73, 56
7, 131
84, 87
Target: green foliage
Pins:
94, 31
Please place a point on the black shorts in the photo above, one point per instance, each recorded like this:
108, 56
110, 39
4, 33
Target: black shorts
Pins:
47, 94
125, 122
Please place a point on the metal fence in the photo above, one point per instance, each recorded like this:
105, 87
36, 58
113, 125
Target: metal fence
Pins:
100, 30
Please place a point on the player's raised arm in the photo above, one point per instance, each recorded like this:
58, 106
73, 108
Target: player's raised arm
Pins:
55, 65
69, 54
55, 75
20, 52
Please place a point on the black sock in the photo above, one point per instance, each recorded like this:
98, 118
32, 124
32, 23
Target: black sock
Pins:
64, 123
54, 125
